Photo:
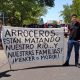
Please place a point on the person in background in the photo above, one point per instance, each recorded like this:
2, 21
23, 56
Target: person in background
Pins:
1, 47
66, 31
74, 38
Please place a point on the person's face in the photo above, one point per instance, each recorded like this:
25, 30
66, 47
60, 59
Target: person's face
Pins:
74, 19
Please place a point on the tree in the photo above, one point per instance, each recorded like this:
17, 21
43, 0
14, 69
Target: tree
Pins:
76, 7
66, 13
69, 10
49, 3
54, 22
25, 10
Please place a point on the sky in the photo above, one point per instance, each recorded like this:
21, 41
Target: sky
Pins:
54, 12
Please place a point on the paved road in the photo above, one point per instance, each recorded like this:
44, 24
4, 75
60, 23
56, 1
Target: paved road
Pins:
42, 73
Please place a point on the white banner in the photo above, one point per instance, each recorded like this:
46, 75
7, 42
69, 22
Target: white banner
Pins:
33, 46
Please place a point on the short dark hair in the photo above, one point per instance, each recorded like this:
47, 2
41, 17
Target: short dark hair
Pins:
74, 15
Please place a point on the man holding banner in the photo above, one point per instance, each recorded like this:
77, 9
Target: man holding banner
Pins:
74, 37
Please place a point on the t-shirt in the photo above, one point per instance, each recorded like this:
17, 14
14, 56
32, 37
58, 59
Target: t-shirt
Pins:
74, 29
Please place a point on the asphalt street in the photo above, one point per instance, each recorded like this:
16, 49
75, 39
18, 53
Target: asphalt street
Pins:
50, 72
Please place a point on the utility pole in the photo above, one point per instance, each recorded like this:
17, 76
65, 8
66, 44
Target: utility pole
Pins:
2, 16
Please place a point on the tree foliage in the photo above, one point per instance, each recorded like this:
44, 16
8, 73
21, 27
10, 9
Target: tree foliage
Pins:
66, 13
54, 22
21, 11
74, 8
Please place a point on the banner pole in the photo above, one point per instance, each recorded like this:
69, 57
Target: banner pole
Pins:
63, 46
4, 46
9, 65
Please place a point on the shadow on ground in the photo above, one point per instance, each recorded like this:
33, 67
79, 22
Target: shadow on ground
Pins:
4, 74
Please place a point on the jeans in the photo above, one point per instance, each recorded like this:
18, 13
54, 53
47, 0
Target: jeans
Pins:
72, 43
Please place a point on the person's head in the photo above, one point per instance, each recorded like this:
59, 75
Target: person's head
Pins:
73, 17
0, 23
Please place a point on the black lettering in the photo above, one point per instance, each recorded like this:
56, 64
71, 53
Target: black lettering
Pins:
38, 46
7, 33
33, 40
57, 39
31, 33
13, 32
27, 40
10, 55
41, 40
47, 33
16, 59
20, 33
51, 39
41, 33
46, 39
48, 57
6, 41
36, 33
25, 33
55, 44
52, 33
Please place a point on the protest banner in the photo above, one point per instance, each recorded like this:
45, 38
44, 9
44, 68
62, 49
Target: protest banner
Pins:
33, 46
